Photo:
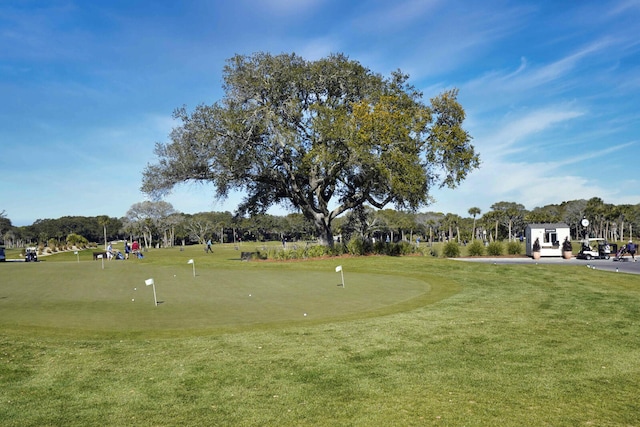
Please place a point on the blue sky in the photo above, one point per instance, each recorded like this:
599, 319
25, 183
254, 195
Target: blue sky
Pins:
551, 90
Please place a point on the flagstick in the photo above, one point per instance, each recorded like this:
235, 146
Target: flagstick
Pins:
339, 268
153, 284
155, 298
192, 262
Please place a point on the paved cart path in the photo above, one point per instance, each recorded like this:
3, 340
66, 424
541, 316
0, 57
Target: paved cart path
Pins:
626, 265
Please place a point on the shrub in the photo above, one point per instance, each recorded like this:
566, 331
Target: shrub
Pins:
357, 246
514, 248
338, 250
451, 250
406, 248
317, 251
76, 239
494, 249
476, 248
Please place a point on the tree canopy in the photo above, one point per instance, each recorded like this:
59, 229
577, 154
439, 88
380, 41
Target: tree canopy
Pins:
323, 136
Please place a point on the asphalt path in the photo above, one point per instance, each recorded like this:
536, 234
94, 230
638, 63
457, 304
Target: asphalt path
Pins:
625, 265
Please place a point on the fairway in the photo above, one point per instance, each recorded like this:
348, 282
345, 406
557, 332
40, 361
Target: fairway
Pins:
83, 295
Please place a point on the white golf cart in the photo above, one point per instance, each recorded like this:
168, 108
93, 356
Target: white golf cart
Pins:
31, 254
594, 248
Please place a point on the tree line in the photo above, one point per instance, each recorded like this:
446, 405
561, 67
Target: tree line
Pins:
159, 224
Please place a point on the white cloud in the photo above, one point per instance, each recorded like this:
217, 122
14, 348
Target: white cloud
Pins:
506, 140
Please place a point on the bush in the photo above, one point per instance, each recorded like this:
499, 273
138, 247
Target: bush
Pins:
396, 249
476, 248
317, 251
77, 240
451, 250
406, 248
514, 248
494, 249
358, 246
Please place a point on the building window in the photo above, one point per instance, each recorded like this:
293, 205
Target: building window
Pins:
551, 236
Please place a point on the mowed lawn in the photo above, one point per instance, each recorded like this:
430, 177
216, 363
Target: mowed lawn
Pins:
407, 341
214, 292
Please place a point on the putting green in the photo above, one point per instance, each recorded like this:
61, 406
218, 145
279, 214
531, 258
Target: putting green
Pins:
83, 296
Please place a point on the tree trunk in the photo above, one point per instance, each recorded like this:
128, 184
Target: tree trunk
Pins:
473, 234
323, 228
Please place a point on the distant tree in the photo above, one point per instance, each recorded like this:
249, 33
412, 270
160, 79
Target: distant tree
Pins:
541, 215
9, 238
432, 222
474, 212
388, 220
361, 221
148, 217
103, 220
491, 220
323, 136
596, 211
510, 214
5, 223
168, 225
451, 222
299, 226
199, 226
573, 211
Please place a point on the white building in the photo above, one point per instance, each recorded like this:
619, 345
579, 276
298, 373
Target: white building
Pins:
551, 236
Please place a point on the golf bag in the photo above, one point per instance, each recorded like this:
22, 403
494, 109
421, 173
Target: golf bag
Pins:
621, 252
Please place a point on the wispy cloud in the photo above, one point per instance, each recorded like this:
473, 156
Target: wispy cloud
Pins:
508, 139
532, 81
397, 15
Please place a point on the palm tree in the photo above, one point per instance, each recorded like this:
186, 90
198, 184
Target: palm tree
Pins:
473, 212
103, 220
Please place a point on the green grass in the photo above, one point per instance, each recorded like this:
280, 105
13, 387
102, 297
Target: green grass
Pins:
408, 341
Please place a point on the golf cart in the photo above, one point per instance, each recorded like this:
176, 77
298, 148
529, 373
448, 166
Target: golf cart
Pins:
594, 248
31, 255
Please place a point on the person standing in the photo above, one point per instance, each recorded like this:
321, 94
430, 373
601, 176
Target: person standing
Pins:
208, 249
127, 249
631, 248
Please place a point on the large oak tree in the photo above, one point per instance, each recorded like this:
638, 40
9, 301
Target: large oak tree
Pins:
322, 136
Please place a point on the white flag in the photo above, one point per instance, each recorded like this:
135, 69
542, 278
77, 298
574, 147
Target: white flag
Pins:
338, 268
190, 261
148, 282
